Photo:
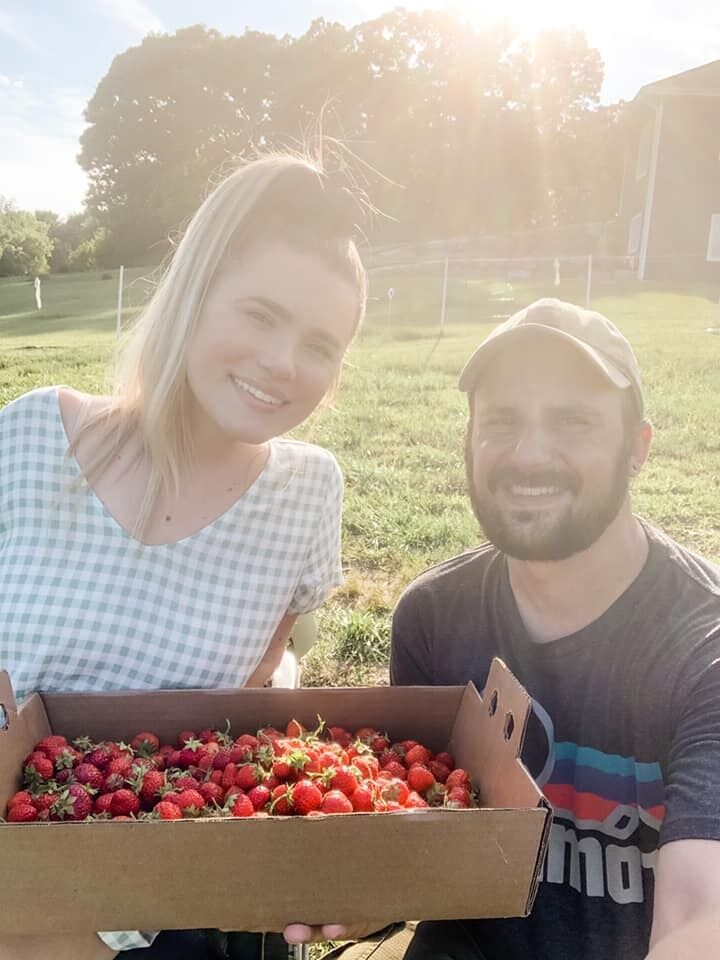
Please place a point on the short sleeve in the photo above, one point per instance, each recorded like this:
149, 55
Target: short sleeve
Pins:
693, 775
322, 570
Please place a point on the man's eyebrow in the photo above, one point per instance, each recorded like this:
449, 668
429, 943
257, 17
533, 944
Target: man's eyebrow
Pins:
284, 314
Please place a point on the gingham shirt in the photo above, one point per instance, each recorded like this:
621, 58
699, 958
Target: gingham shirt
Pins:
86, 607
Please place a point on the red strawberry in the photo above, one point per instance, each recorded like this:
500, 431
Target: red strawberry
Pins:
306, 796
340, 735
439, 770
51, 742
145, 743
122, 766
248, 776
363, 799
151, 786
22, 813
366, 766
294, 729
417, 754
221, 759
345, 780
186, 782
447, 758
191, 802
458, 778
242, 807
241, 753
211, 792
259, 796
380, 744
228, 775
335, 801
100, 757
415, 801
281, 800
124, 802
394, 769
22, 796
364, 734
168, 811
393, 789
458, 797
39, 768
102, 803
75, 803
419, 778
45, 801
185, 736
89, 776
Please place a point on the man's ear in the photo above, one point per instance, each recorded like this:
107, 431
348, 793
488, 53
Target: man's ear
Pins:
641, 446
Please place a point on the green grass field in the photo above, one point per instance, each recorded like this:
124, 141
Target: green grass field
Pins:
398, 419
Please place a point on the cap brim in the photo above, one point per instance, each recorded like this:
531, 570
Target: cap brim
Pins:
490, 347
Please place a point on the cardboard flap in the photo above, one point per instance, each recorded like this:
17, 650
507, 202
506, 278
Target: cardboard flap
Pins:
8, 707
492, 744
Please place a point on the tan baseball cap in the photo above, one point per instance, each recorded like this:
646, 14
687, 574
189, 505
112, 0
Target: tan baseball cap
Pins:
591, 332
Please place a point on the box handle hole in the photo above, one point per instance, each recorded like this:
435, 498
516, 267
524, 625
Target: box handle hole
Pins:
492, 705
509, 725
4, 718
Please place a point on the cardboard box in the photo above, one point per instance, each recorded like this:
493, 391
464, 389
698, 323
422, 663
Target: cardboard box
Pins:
248, 874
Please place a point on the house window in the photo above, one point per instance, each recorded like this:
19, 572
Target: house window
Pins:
634, 234
713, 250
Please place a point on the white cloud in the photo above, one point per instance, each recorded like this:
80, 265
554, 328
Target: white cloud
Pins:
10, 27
134, 14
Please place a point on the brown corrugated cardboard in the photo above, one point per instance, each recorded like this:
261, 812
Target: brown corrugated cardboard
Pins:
262, 874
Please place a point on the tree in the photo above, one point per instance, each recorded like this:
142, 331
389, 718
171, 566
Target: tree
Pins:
25, 244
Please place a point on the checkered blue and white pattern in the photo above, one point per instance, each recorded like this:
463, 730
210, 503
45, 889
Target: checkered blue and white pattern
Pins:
86, 607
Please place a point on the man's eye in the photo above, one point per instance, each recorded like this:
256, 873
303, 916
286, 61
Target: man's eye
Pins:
499, 422
575, 422
322, 350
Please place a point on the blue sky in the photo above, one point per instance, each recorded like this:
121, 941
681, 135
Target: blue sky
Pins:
52, 56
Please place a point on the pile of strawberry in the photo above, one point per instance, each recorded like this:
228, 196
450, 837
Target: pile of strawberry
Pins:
210, 773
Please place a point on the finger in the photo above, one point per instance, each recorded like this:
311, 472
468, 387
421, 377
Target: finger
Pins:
335, 931
299, 933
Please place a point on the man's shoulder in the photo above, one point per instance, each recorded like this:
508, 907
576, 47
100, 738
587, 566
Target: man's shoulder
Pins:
454, 573
696, 572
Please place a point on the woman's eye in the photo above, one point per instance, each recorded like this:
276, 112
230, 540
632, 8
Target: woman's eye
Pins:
264, 319
322, 350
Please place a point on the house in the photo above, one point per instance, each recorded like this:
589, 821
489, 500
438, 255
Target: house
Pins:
670, 201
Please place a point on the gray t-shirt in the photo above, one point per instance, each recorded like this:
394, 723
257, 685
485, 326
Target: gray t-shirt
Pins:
624, 737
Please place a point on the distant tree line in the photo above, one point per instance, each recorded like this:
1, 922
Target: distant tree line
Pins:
473, 131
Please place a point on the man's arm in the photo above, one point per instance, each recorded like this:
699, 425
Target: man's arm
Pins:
686, 917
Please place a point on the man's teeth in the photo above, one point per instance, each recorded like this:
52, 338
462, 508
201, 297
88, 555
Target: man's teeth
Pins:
519, 491
254, 392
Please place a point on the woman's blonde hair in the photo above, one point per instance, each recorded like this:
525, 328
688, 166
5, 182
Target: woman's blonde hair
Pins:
277, 197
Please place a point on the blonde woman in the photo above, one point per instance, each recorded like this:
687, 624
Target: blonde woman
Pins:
166, 536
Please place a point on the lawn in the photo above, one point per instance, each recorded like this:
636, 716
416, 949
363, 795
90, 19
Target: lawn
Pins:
397, 422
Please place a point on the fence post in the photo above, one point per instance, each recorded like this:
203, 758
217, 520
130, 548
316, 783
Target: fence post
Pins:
119, 301
444, 296
588, 284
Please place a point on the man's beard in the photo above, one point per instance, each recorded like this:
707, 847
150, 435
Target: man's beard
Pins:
574, 530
